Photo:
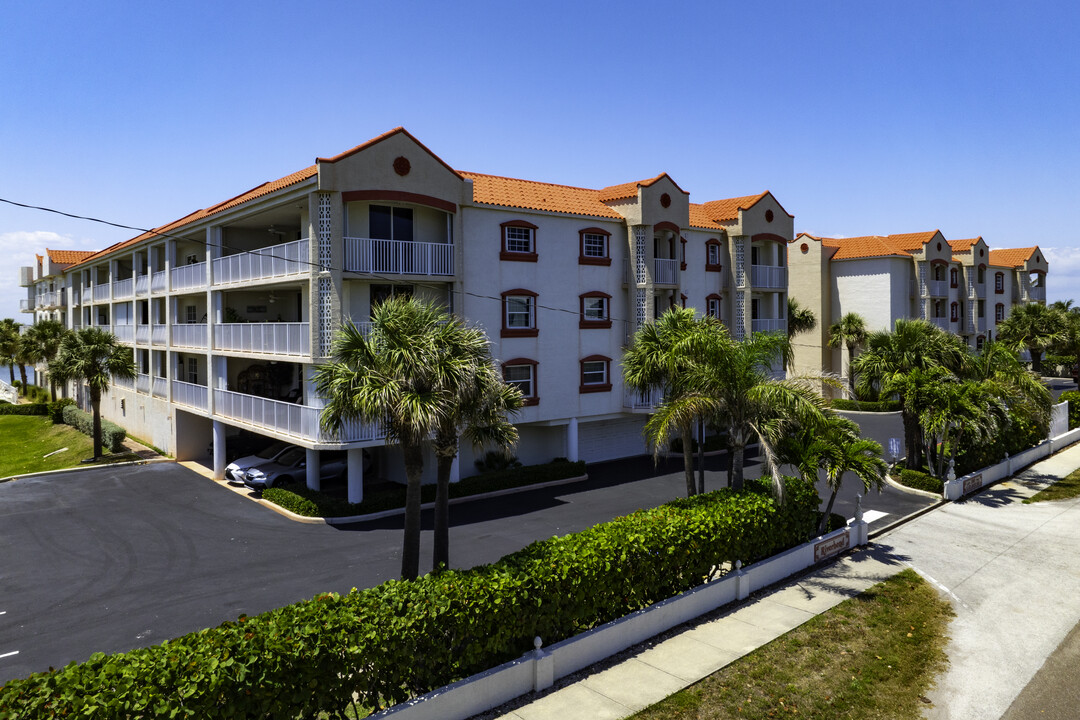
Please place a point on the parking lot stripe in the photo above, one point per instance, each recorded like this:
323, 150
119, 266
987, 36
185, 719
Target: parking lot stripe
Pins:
13, 652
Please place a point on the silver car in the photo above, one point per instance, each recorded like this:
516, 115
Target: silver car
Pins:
235, 471
291, 466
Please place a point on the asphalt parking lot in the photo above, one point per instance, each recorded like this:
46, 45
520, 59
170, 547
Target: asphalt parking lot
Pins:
110, 559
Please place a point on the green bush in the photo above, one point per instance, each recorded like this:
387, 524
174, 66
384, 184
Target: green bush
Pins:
866, 405
312, 503
712, 443
1073, 397
400, 639
29, 409
56, 409
921, 481
35, 394
112, 435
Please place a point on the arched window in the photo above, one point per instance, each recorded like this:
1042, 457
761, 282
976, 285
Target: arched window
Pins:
595, 310
594, 246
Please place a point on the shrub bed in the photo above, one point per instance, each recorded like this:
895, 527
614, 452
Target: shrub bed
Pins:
866, 405
400, 639
28, 409
56, 409
920, 481
112, 435
299, 499
712, 442
1073, 398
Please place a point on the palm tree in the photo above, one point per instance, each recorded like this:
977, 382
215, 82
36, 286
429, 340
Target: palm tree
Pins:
42, 340
663, 355
1021, 389
850, 332
1035, 327
401, 375
799, 319
9, 344
958, 414
913, 344
94, 357
478, 410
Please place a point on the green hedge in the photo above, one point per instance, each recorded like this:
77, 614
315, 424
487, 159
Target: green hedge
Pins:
28, 409
56, 409
866, 405
1073, 397
302, 501
112, 435
921, 481
35, 394
401, 639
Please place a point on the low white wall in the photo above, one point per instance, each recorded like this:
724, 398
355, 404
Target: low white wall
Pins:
539, 668
973, 482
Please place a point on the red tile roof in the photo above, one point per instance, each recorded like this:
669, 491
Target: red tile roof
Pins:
629, 190
963, 245
1012, 257
68, 256
864, 247
531, 195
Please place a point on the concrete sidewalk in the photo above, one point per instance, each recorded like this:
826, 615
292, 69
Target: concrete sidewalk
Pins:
1011, 571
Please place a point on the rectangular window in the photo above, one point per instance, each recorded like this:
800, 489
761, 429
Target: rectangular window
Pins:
519, 239
594, 246
519, 311
714, 308
520, 376
193, 370
713, 255
999, 313
390, 223
189, 314
999, 283
594, 372
595, 308
982, 308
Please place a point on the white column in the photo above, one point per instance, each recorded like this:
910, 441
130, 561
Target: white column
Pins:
572, 440
312, 469
219, 450
355, 458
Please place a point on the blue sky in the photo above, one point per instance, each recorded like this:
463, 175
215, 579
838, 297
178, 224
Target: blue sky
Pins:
861, 117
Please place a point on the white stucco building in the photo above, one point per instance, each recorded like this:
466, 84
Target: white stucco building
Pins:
230, 308
961, 286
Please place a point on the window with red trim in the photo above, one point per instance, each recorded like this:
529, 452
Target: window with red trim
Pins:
999, 312
595, 310
954, 313
713, 306
521, 373
712, 255
594, 247
682, 262
595, 374
519, 313
954, 277
999, 283
518, 241
682, 298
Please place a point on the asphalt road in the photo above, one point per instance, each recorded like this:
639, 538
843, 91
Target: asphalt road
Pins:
111, 559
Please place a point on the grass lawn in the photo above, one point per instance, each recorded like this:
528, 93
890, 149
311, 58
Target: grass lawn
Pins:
1067, 487
873, 656
25, 439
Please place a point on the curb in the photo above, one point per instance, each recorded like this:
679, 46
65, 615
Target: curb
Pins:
910, 490
84, 469
906, 519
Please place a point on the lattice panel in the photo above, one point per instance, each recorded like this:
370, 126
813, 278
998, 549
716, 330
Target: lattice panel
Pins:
640, 259
739, 326
326, 316
923, 292
325, 254
642, 302
740, 263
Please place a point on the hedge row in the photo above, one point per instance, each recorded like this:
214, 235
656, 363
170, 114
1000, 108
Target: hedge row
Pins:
27, 409
866, 405
921, 481
400, 639
112, 435
302, 501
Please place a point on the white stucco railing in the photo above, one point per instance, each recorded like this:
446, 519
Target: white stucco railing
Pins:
276, 261
123, 289
124, 333
75, 295
298, 421
159, 387
159, 334
941, 322
769, 277
190, 394
8, 393
192, 335
101, 292
125, 383
665, 272
142, 383
400, 257
142, 284
24, 306
187, 277
157, 282
56, 298
267, 338
768, 325
647, 400
939, 288
142, 334
1037, 294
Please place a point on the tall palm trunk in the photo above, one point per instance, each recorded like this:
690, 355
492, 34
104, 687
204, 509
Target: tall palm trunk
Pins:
737, 459
688, 458
823, 525
52, 388
95, 406
701, 456
444, 463
22, 374
850, 373
410, 546
1036, 360
11, 371
911, 438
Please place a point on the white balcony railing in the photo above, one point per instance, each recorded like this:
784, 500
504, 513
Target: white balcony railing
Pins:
190, 394
939, 288
159, 387
1037, 294
124, 333
665, 272
157, 282
188, 277
159, 334
142, 334
277, 261
298, 421
142, 383
268, 338
365, 255
768, 325
24, 306
124, 289
647, 400
941, 322
191, 335
768, 277
75, 295
142, 284
56, 298
101, 292
124, 383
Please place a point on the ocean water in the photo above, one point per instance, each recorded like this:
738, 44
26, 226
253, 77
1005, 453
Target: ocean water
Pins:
6, 377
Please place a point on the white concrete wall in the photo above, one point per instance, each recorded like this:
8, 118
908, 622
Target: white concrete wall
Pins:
876, 288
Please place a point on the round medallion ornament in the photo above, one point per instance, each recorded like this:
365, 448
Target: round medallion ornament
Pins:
665, 200
805, 248
769, 216
402, 166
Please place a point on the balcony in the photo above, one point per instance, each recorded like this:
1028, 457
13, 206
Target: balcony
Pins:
75, 295
123, 383
665, 272
1037, 294
159, 334
159, 387
976, 291
297, 421
101, 293
938, 288
142, 383
124, 289
269, 338
192, 335
124, 333
142, 284
364, 255
768, 277
276, 261
648, 400
768, 325
157, 282
941, 322
142, 334
189, 277
190, 395
24, 306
